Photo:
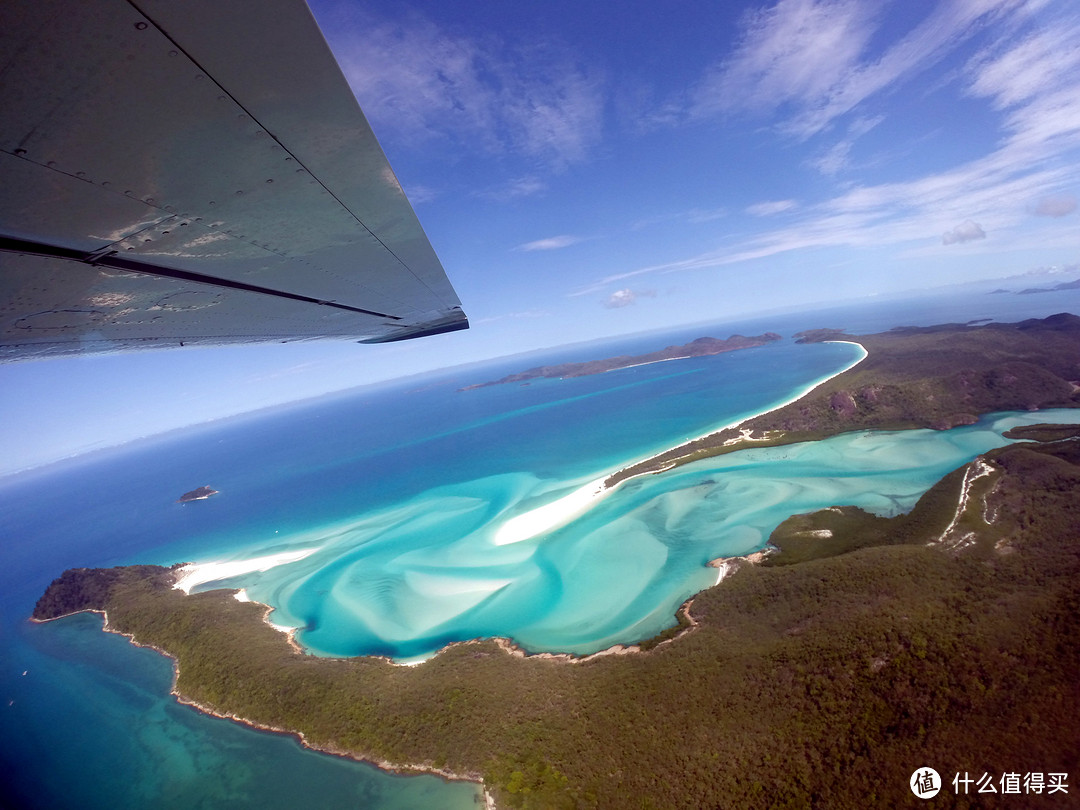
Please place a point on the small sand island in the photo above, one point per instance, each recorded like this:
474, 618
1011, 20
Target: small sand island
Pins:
200, 494
701, 347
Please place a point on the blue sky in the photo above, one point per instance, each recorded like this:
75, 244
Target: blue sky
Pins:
594, 169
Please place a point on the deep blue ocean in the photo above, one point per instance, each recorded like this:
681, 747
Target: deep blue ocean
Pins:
398, 495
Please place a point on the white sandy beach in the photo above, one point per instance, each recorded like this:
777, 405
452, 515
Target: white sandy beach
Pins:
559, 512
199, 573
550, 515
242, 596
732, 425
650, 362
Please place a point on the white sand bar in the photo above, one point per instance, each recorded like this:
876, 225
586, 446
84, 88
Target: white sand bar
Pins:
198, 573
552, 515
746, 434
549, 516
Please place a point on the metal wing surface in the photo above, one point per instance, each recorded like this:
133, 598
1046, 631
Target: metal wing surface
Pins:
196, 172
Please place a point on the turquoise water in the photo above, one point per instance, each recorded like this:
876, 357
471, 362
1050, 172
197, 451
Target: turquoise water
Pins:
403, 493
407, 580
97, 728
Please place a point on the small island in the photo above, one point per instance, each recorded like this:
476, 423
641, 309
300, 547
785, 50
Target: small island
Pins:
701, 347
200, 494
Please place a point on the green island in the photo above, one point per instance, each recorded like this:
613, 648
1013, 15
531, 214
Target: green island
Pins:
700, 347
920, 377
861, 649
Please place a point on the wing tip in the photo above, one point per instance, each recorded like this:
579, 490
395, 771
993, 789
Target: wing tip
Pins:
456, 321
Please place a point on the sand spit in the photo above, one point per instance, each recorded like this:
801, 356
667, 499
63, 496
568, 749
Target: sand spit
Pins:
747, 435
561, 511
194, 574
550, 516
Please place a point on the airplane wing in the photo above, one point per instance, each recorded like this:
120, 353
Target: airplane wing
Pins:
196, 172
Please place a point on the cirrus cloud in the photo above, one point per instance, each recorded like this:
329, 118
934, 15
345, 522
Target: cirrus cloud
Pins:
765, 209
429, 83
551, 243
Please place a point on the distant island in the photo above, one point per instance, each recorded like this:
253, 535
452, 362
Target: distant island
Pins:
913, 377
819, 676
200, 494
1067, 285
702, 347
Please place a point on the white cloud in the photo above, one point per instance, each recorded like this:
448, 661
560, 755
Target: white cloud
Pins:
515, 189
835, 159
551, 243
765, 209
694, 216
795, 51
1015, 73
700, 215
429, 84
626, 297
529, 313
1056, 205
966, 231
418, 195
810, 59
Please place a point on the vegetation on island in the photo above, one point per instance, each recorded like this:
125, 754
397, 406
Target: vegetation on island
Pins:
916, 377
821, 679
198, 494
701, 347
1042, 433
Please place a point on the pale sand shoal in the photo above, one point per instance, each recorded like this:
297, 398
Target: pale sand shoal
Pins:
733, 425
188, 576
561, 511
549, 516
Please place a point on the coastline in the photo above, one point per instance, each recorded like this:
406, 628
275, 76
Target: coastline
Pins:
746, 437
562, 510
190, 575
381, 764
687, 623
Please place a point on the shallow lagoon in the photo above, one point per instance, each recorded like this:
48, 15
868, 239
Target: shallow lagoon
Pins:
407, 580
